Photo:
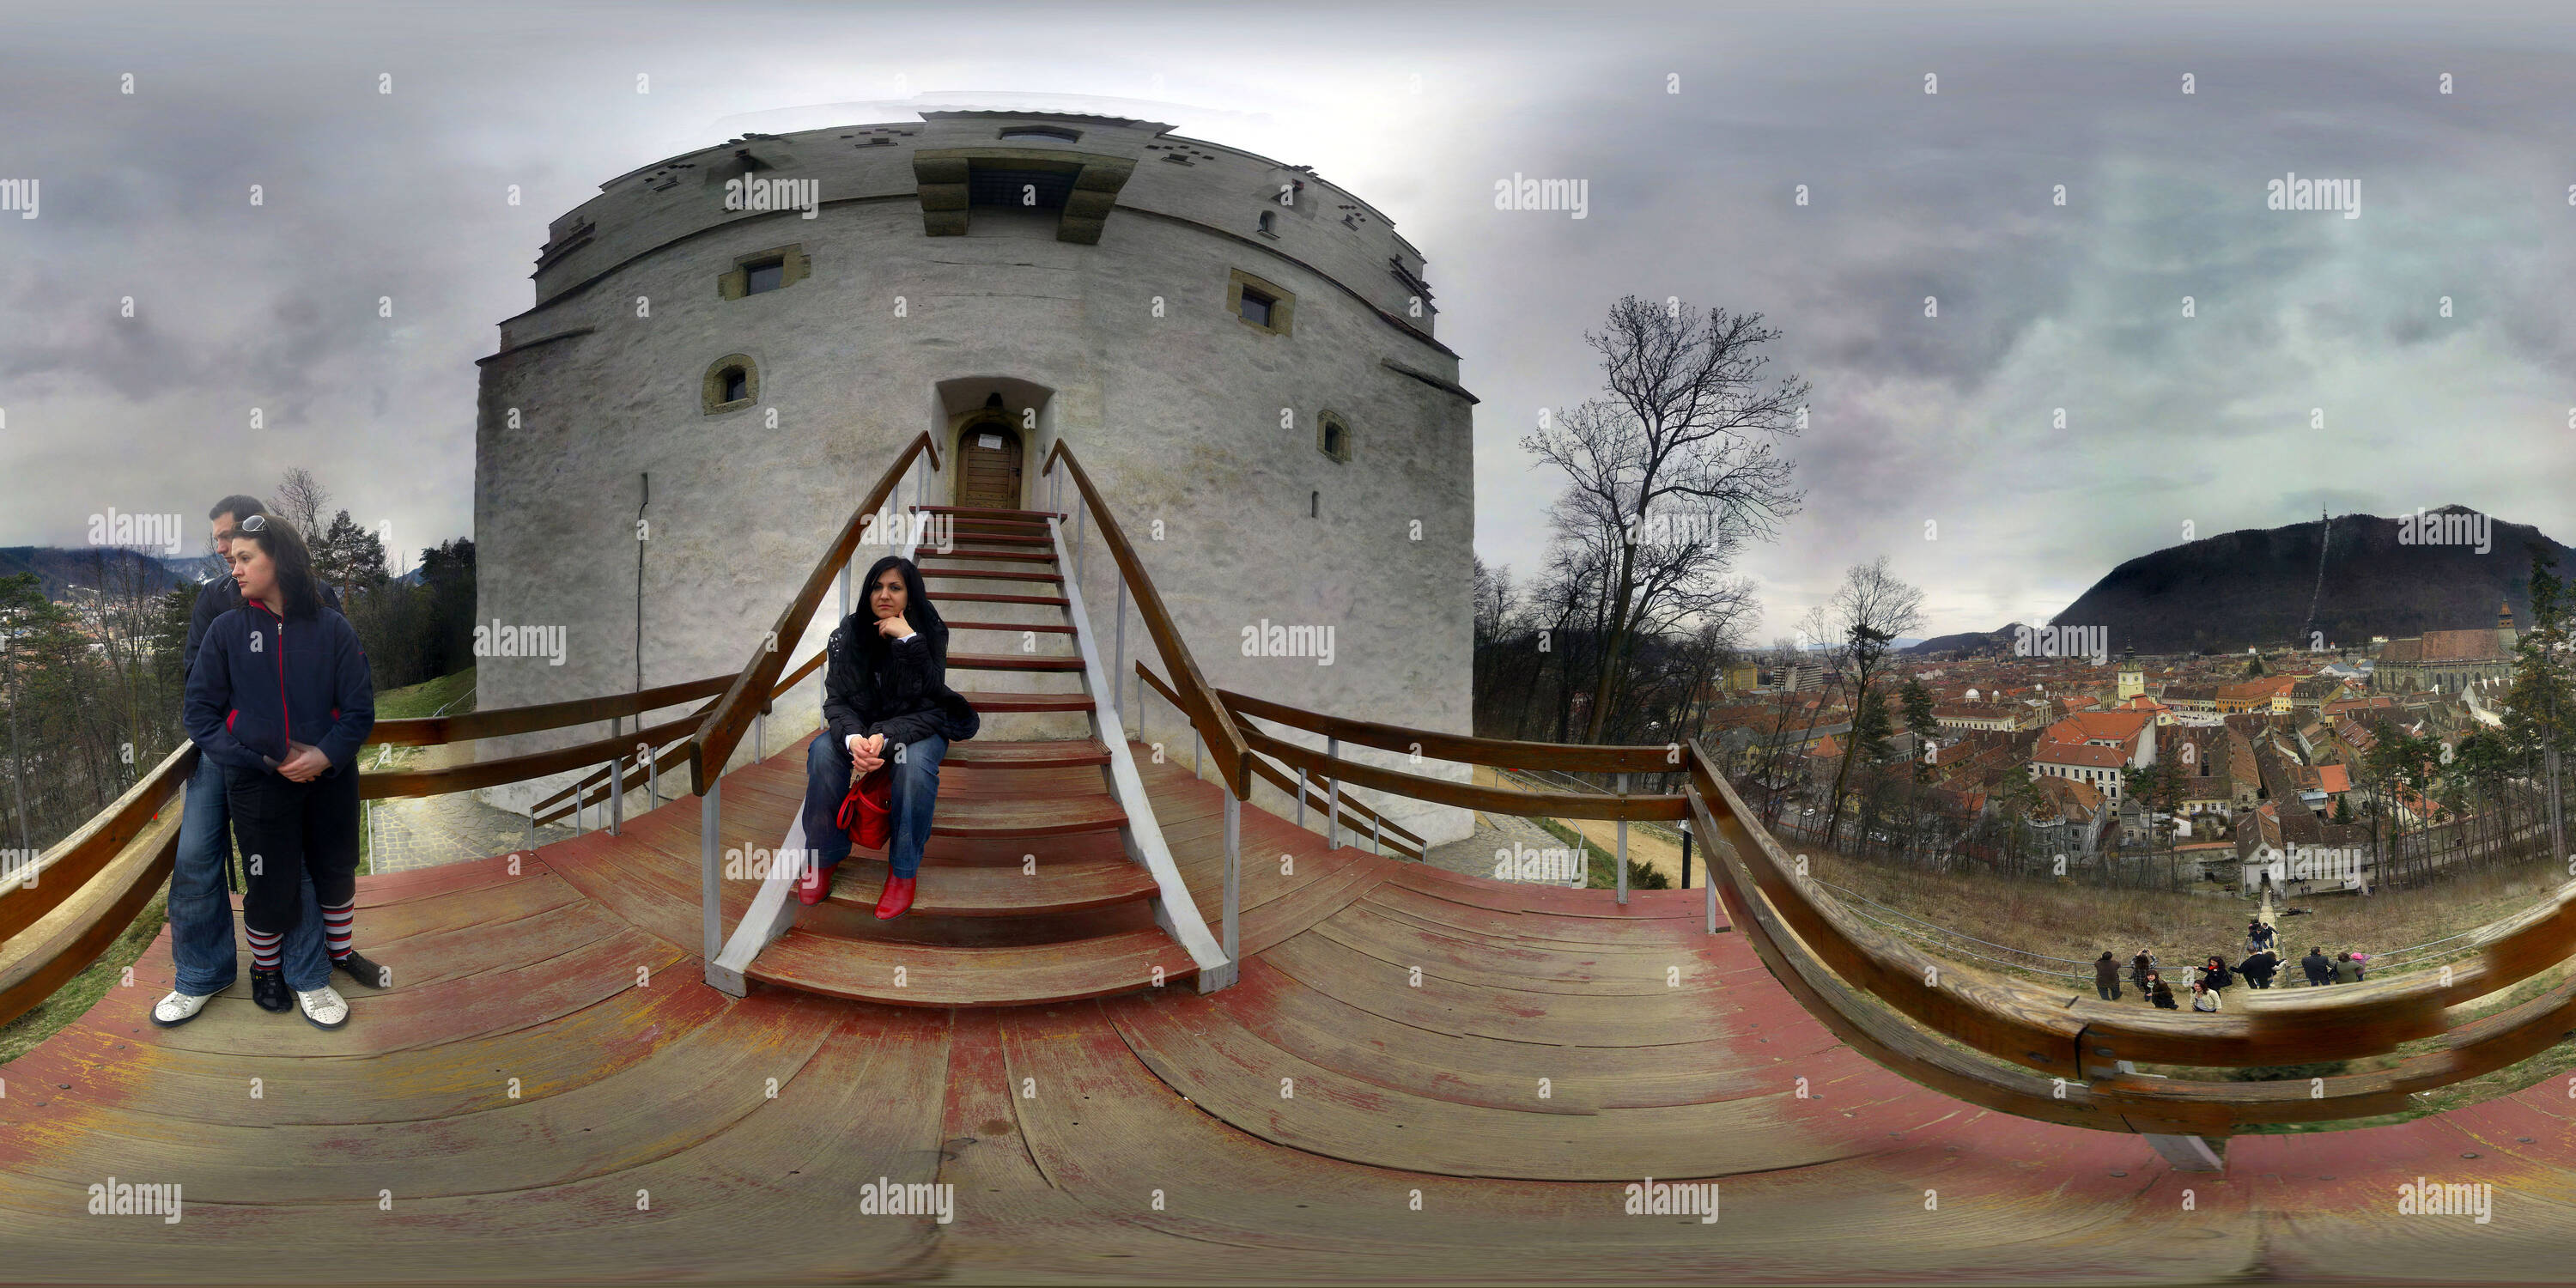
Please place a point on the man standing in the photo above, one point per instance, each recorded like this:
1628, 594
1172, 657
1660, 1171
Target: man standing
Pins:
201, 908
2106, 977
2320, 970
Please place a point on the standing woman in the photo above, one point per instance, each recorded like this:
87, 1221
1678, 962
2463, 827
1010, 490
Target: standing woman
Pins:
280, 695
886, 704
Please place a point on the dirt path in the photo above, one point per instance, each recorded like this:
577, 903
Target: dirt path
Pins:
1644, 846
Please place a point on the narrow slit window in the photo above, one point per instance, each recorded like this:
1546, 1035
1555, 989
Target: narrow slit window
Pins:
737, 384
1314, 505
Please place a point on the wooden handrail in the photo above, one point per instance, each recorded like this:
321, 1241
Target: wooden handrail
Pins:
1408, 845
1492, 800
432, 731
2077, 1037
1198, 701
670, 757
722, 730
68, 864
1500, 753
512, 769
2114, 1101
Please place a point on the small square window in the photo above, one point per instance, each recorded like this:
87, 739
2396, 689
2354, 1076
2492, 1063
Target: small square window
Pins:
1256, 307
767, 275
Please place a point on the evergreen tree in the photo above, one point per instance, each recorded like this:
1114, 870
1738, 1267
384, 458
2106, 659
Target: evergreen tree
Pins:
1920, 722
2540, 714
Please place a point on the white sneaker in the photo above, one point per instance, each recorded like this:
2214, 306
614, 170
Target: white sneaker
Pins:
178, 1008
323, 1007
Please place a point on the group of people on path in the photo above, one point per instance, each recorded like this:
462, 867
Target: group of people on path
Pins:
2260, 966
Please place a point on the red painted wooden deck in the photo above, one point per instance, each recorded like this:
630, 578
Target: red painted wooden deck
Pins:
1420, 1076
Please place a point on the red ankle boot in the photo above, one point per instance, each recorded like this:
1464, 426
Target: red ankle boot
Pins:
897, 898
811, 887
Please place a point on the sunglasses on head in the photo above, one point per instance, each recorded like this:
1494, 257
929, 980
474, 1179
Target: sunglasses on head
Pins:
255, 523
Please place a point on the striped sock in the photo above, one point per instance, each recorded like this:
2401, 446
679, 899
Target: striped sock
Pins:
263, 949
336, 925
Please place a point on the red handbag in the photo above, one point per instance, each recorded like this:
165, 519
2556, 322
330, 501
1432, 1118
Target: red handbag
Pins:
867, 813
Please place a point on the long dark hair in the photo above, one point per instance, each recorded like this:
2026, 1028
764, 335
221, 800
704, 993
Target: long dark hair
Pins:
294, 563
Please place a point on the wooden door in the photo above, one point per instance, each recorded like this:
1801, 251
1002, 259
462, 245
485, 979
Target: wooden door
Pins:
990, 477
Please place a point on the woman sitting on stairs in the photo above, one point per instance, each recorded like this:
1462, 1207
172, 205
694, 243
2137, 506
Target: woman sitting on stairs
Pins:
886, 705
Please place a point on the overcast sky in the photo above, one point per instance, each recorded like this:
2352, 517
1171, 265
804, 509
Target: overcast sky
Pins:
1419, 109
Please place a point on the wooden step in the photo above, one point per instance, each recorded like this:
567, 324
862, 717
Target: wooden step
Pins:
1000, 537
973, 597
1011, 662
995, 891
933, 975
981, 529
992, 556
1061, 753
990, 703
979, 574
981, 512
1008, 626
1025, 815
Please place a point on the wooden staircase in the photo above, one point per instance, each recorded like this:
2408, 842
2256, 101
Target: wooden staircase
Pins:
1031, 889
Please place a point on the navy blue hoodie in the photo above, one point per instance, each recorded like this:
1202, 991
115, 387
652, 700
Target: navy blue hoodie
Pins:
259, 681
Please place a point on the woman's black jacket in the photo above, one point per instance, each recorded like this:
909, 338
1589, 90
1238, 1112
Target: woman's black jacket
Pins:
898, 688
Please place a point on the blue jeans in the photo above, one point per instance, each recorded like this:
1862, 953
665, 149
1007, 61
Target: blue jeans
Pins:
916, 796
201, 909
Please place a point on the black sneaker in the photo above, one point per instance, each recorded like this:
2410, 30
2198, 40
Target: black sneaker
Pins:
268, 988
366, 973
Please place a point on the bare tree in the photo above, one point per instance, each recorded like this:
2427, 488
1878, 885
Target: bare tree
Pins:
300, 498
1858, 626
1674, 466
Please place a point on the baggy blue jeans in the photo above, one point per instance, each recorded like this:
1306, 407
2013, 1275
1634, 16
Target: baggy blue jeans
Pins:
916, 797
201, 909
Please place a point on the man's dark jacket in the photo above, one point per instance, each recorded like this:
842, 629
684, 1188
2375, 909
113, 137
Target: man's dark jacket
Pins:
907, 700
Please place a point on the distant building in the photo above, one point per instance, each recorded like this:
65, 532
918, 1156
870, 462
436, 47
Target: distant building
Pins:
2448, 660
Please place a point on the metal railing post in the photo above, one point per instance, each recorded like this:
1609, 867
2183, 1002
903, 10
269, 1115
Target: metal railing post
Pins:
652, 774
1233, 872
760, 737
1301, 796
1333, 799
1118, 662
577, 797
532, 827
1623, 845
1377, 834
616, 795
710, 900
1685, 830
